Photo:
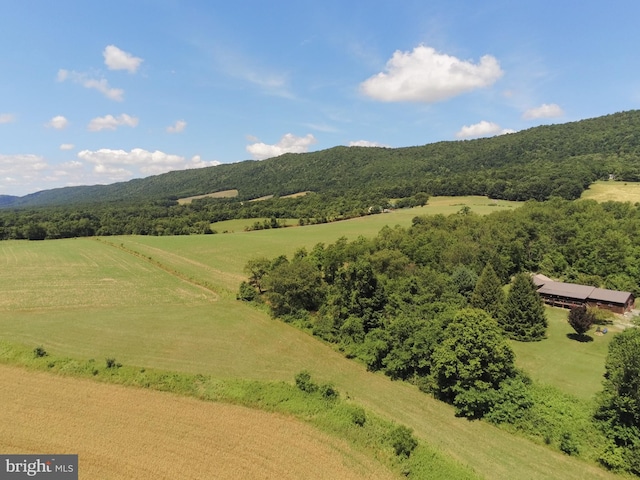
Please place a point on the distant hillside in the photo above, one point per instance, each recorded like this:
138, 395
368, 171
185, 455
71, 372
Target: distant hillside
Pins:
559, 160
7, 200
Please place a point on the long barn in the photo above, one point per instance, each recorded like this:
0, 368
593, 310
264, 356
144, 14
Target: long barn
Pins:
569, 295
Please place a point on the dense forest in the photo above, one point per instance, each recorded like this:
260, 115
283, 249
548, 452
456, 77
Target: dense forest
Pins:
539, 163
426, 304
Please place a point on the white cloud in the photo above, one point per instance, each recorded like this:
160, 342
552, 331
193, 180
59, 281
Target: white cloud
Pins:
27, 173
425, 75
67, 146
116, 59
58, 122
289, 143
120, 164
482, 129
178, 127
7, 118
546, 110
18, 171
109, 122
367, 143
101, 85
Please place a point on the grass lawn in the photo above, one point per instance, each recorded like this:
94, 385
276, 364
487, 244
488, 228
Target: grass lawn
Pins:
613, 191
573, 366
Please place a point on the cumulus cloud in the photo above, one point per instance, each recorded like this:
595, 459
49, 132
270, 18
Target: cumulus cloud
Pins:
289, 143
367, 143
116, 59
27, 173
118, 164
178, 127
17, 171
546, 110
424, 75
109, 122
100, 85
7, 118
58, 122
482, 129
67, 146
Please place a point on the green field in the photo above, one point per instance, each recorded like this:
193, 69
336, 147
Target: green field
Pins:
171, 305
572, 366
613, 191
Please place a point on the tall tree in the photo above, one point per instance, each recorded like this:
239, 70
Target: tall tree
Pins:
488, 294
619, 402
523, 317
471, 362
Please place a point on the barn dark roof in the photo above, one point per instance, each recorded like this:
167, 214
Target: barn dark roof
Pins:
609, 296
579, 292
570, 290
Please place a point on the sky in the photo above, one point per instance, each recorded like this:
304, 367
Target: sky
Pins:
103, 92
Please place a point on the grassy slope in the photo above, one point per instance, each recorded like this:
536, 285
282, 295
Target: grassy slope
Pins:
225, 338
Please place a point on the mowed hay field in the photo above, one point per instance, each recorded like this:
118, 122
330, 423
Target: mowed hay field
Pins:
212, 333
613, 191
129, 433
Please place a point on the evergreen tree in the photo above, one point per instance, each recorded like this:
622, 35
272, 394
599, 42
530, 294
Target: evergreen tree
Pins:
523, 317
488, 294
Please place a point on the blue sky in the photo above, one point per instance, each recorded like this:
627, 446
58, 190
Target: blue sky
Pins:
101, 92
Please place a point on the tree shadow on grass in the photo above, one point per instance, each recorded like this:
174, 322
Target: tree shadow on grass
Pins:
580, 338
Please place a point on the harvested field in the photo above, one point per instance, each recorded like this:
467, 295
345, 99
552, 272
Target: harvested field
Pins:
222, 194
127, 433
613, 192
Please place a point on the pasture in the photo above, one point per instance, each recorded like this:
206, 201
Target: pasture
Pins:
613, 191
171, 305
559, 360
131, 433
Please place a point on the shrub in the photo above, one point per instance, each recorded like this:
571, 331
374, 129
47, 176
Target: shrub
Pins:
402, 441
304, 383
111, 363
247, 292
39, 352
358, 416
568, 445
329, 392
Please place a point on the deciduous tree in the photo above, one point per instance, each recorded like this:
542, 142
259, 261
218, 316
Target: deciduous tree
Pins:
471, 362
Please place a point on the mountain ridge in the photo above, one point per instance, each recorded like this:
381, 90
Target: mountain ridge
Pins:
569, 155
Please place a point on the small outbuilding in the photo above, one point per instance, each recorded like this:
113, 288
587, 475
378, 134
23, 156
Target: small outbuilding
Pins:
570, 295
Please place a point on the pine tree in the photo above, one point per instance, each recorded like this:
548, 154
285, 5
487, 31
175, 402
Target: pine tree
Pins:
523, 316
488, 294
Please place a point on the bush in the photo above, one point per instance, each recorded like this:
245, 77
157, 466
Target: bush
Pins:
402, 441
111, 363
568, 445
247, 292
39, 352
304, 383
358, 416
329, 392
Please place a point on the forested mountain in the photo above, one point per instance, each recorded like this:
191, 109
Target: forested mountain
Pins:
539, 163
555, 160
